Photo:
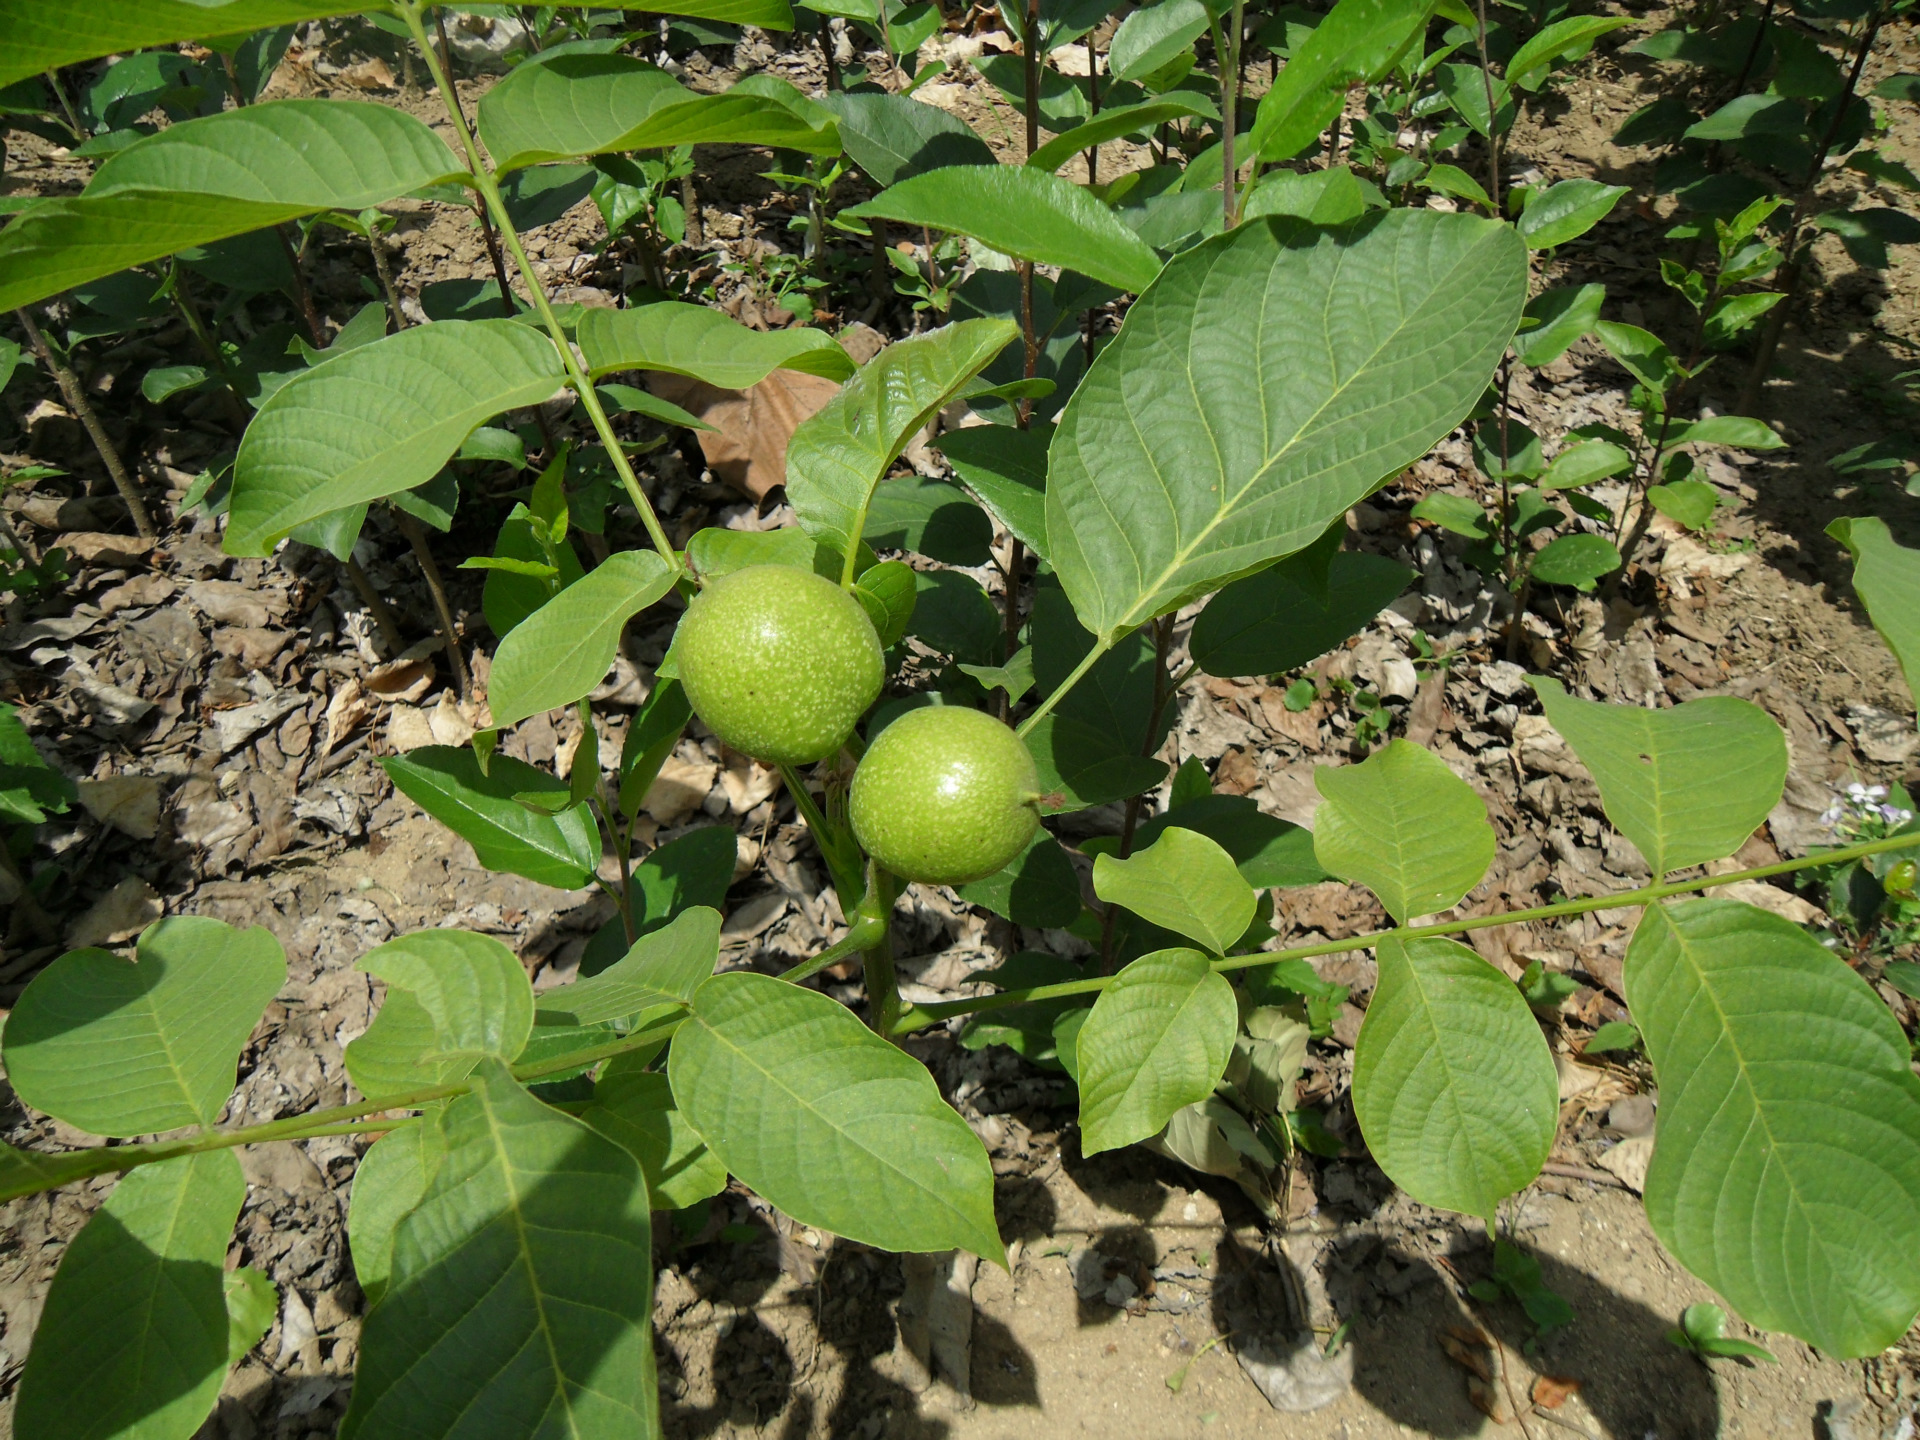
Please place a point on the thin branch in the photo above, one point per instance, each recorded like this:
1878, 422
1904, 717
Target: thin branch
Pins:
77, 401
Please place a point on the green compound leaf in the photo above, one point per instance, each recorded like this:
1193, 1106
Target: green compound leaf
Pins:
559, 850
839, 455
1405, 826
1786, 1163
634, 1108
453, 999
1268, 851
1886, 577
1452, 1082
565, 648
521, 1286
704, 344
252, 1302
1024, 212
576, 104
1265, 383
1360, 40
1151, 37
1183, 882
1272, 621
120, 1047
391, 1179
223, 175
380, 419
1566, 211
1158, 1038
664, 967
26, 1172
1685, 785
134, 1340
1576, 560
834, 1125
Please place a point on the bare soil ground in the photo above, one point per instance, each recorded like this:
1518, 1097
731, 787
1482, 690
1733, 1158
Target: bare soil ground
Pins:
231, 711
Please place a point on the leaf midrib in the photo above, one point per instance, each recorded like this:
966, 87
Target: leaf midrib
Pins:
1229, 505
820, 1116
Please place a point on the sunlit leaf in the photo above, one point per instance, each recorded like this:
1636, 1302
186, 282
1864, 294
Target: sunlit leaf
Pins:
1158, 1038
1405, 826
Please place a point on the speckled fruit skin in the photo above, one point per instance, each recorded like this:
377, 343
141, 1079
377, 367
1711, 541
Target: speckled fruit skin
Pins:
779, 662
944, 795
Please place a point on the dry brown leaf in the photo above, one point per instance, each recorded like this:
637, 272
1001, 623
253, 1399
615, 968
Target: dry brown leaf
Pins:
747, 447
1550, 1392
747, 783
408, 728
122, 913
400, 681
129, 803
1487, 1399
345, 713
123, 552
1469, 1347
679, 791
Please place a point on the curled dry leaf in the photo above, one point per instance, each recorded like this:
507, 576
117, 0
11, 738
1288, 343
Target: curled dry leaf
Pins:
747, 447
346, 712
401, 681
120, 914
1469, 1347
679, 790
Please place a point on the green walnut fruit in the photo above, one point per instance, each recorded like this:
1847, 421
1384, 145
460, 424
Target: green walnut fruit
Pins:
945, 795
779, 662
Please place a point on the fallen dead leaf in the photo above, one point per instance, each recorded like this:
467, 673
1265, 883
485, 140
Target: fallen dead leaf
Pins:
1629, 1160
123, 552
140, 590
129, 803
679, 790
401, 681
122, 913
1469, 1347
747, 448
450, 721
747, 783
1550, 1392
227, 602
408, 728
345, 713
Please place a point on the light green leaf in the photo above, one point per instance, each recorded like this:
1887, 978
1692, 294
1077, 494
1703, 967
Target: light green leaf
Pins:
1786, 1162
40, 38
1643, 353
134, 1340
1024, 212
1326, 197
705, 344
582, 104
891, 136
1685, 502
1152, 36
1564, 39
1576, 560
1584, 464
1269, 380
841, 453
663, 967
634, 1108
1452, 1082
1886, 577
119, 1047
559, 850
379, 419
25, 1172
565, 648
1158, 1038
1566, 211
1183, 882
1123, 120
1739, 431
252, 1302
1405, 826
466, 998
837, 1127
1454, 512
222, 175
1685, 785
1554, 320
522, 1284
391, 1179
1359, 40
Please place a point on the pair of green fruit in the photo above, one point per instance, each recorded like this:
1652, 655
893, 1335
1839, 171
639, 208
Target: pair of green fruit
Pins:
781, 664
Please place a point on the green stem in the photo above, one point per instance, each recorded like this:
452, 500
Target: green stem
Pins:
1059, 692
337, 1120
577, 377
923, 1015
